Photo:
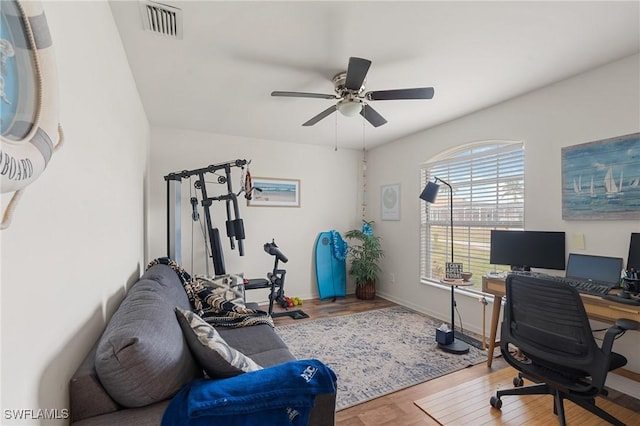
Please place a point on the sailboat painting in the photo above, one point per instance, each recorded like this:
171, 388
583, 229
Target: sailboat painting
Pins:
601, 179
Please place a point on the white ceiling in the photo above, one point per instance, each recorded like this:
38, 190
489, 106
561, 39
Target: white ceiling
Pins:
219, 77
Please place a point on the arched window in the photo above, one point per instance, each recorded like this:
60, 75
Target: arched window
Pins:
488, 193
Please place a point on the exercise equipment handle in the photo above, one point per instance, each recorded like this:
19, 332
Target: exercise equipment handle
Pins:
273, 250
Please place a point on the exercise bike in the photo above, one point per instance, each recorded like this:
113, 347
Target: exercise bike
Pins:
274, 282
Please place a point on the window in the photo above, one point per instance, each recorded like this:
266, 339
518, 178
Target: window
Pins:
488, 193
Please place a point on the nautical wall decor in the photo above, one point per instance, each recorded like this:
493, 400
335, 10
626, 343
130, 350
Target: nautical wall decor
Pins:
30, 132
601, 179
273, 192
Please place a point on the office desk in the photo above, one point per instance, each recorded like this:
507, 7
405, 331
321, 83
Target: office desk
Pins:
597, 308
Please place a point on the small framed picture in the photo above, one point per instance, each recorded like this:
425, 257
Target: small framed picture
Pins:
453, 270
390, 202
273, 192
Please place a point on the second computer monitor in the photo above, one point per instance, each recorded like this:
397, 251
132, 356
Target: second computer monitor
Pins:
633, 261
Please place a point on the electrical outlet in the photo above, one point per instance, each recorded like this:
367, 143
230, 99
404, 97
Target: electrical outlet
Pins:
392, 276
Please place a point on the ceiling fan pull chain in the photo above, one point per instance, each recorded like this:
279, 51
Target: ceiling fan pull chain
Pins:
364, 173
336, 147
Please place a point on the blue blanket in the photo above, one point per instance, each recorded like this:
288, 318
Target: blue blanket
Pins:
280, 395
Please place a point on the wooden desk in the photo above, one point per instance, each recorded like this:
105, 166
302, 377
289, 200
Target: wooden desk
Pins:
597, 308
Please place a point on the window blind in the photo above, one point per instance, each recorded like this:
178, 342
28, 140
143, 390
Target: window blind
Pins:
488, 193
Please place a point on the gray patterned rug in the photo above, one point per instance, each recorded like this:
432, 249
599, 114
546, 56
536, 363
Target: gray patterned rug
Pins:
377, 352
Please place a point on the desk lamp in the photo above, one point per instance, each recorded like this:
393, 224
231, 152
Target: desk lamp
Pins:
429, 194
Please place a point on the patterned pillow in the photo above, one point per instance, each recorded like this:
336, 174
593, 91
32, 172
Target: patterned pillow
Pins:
215, 356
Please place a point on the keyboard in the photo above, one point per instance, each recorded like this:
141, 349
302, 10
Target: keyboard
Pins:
597, 288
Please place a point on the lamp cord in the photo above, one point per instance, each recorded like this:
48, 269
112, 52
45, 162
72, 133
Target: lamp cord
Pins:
459, 318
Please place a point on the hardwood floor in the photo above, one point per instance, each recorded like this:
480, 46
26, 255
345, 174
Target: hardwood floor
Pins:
398, 408
317, 308
466, 404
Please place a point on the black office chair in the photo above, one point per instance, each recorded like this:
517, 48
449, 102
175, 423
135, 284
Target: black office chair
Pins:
547, 323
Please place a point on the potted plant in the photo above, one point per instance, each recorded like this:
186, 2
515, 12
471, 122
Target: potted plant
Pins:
364, 254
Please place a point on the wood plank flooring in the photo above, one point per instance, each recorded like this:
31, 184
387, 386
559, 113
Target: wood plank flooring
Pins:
467, 404
398, 409
317, 308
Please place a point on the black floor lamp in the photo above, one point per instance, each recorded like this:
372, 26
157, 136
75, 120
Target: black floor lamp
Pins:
429, 194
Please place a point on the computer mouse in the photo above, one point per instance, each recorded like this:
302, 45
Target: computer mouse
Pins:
624, 295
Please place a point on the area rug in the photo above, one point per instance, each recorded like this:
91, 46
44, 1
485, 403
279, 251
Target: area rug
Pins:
377, 352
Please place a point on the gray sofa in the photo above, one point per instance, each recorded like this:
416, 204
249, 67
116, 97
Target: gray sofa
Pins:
142, 358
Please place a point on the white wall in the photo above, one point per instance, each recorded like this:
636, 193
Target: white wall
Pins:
329, 198
599, 104
77, 239
77, 235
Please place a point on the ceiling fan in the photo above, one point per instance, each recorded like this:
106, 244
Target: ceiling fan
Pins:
352, 99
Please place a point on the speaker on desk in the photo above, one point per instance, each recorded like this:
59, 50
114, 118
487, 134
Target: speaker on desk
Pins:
631, 285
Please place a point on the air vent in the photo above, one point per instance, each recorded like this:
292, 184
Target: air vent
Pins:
161, 19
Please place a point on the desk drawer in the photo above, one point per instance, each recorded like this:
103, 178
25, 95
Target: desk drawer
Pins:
493, 286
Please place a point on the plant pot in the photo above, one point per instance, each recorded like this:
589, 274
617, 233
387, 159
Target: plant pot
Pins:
366, 291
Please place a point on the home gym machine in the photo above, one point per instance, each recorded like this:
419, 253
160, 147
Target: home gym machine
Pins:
234, 227
234, 224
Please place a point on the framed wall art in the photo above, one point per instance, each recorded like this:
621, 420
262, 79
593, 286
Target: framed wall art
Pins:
390, 202
601, 179
273, 192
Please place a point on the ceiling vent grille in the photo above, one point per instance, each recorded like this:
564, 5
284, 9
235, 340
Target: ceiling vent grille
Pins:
161, 19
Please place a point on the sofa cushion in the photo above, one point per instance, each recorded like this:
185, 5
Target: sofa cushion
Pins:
87, 396
216, 357
260, 342
142, 356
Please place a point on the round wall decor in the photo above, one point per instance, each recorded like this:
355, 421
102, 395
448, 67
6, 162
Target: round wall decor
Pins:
28, 96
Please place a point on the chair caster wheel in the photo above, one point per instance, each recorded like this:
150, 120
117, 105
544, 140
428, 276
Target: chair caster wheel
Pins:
495, 402
518, 382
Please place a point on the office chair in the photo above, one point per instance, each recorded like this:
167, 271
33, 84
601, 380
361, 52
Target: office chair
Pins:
547, 323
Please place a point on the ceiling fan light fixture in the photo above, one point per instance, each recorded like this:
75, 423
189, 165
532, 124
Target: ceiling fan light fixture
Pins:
352, 99
349, 108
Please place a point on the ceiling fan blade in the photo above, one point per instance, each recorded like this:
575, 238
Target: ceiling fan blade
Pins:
303, 95
320, 116
356, 73
388, 95
372, 116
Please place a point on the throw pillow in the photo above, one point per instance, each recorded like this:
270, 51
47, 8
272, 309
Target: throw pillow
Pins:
216, 357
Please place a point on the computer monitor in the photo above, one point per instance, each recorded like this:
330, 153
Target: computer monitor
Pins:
594, 268
633, 261
632, 279
523, 250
